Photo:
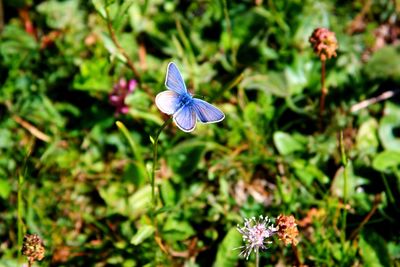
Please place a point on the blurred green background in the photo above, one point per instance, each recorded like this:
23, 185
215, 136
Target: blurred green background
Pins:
68, 174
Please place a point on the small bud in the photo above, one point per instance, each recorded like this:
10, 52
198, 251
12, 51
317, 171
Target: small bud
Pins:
287, 229
33, 247
119, 93
324, 43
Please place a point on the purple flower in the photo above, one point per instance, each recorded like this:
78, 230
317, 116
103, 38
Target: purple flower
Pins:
120, 91
255, 233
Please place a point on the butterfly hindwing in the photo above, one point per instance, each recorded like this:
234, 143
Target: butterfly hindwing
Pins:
207, 113
174, 80
185, 118
167, 101
185, 109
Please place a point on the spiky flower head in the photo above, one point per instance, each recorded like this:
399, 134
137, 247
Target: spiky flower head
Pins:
324, 43
255, 233
287, 229
33, 247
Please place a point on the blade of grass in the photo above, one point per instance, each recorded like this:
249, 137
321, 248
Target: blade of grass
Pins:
137, 154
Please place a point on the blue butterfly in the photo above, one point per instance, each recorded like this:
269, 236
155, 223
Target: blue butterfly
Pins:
185, 108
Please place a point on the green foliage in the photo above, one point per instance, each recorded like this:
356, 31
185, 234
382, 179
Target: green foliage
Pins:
86, 180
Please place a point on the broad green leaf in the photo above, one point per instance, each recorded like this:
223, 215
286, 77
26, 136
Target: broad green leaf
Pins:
228, 252
386, 161
384, 64
373, 250
308, 172
272, 83
5, 188
168, 193
352, 181
139, 202
388, 125
100, 7
175, 230
367, 139
286, 144
144, 232
185, 157
93, 76
114, 197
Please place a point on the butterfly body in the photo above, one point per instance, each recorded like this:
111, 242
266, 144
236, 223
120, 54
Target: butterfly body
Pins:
185, 108
185, 100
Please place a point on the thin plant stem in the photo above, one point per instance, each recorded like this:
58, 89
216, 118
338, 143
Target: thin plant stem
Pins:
377, 201
153, 170
19, 214
257, 257
20, 204
296, 255
345, 179
129, 62
324, 92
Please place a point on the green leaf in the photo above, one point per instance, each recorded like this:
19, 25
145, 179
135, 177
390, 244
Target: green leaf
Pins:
112, 49
175, 230
384, 64
228, 254
373, 250
144, 232
353, 181
367, 139
114, 197
168, 193
99, 5
139, 202
93, 76
5, 188
62, 14
388, 125
286, 144
274, 83
185, 157
386, 161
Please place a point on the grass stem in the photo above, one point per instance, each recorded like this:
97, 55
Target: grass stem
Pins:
345, 180
153, 170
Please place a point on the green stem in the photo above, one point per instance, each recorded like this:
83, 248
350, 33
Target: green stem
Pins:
19, 211
121, 50
345, 178
153, 170
257, 257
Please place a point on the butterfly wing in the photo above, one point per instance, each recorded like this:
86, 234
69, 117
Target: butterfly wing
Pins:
185, 118
173, 80
167, 101
207, 113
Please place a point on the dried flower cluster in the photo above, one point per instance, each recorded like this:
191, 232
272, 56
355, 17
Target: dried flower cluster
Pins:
324, 43
120, 91
287, 229
255, 233
33, 247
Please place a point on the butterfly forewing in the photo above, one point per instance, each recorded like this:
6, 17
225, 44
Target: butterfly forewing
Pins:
174, 80
185, 118
207, 113
167, 101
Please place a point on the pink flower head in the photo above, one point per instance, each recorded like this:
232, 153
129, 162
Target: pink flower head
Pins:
120, 91
255, 233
